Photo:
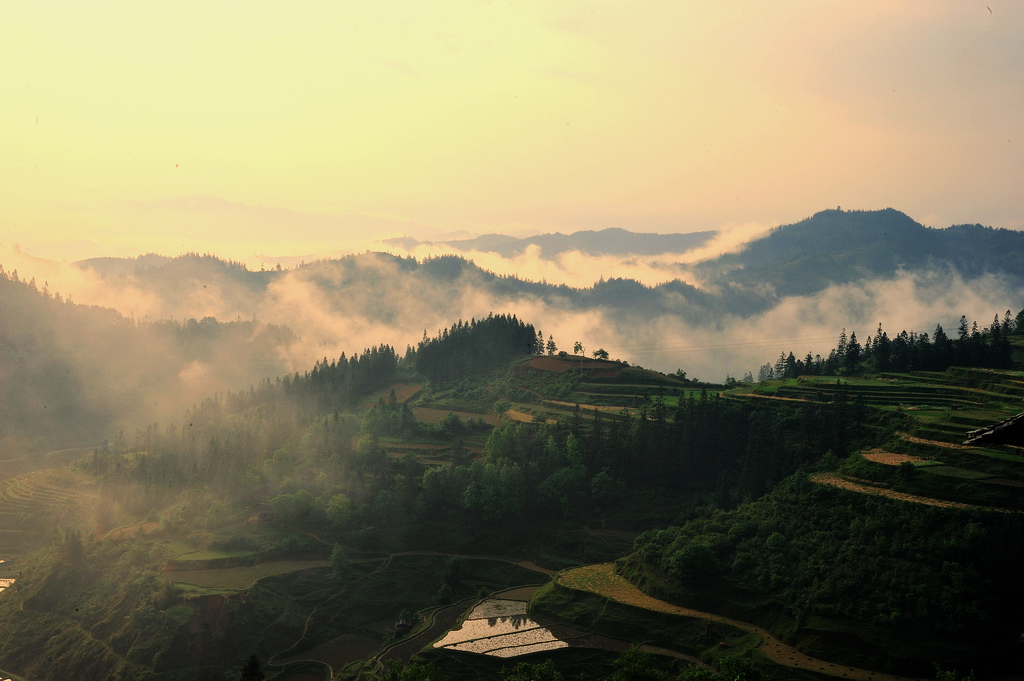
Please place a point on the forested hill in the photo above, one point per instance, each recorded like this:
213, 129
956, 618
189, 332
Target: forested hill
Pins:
832, 247
71, 373
836, 247
613, 241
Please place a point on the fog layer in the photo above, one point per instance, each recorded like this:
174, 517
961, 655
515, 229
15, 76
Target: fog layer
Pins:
347, 305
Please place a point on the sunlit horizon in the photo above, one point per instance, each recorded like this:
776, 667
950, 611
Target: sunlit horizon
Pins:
320, 129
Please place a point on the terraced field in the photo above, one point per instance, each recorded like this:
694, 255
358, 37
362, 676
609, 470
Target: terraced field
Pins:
973, 394
603, 580
32, 503
930, 463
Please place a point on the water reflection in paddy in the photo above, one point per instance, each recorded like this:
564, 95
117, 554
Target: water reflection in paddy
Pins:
501, 628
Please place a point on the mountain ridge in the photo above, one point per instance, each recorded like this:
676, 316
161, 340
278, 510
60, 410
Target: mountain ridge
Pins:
611, 241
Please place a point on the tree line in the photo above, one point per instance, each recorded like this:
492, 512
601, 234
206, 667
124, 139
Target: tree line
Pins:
989, 347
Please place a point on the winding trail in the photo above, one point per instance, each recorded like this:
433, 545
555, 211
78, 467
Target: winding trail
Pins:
602, 580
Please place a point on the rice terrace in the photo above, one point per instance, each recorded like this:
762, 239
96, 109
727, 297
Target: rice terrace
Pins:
556, 514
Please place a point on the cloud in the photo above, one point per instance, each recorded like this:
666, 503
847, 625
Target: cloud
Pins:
570, 268
811, 324
335, 307
729, 239
582, 270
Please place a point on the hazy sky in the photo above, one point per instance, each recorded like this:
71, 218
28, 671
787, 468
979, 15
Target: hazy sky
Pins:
314, 127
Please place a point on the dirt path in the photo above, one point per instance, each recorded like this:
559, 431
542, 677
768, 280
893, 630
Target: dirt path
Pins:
933, 443
602, 580
834, 480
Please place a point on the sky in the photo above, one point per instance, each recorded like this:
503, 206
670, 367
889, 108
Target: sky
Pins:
320, 127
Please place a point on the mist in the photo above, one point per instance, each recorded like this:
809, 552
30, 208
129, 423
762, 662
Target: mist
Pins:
582, 270
290, 319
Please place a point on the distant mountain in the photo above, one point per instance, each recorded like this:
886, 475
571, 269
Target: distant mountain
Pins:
612, 241
350, 303
832, 247
839, 247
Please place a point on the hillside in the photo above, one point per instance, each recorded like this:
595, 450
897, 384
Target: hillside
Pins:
73, 374
612, 241
836, 247
831, 248
830, 519
308, 515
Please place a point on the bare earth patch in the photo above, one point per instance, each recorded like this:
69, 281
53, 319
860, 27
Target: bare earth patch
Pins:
834, 480
557, 364
889, 458
933, 443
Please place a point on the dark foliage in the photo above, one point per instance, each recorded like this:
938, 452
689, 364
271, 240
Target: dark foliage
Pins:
475, 348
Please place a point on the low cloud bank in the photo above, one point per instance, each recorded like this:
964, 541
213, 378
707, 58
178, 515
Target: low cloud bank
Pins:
734, 345
581, 270
330, 310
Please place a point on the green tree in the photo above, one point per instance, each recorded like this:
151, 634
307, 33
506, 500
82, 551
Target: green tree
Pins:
532, 671
605, 489
952, 675
339, 510
397, 671
293, 507
252, 671
694, 561
551, 347
340, 563
637, 665
501, 406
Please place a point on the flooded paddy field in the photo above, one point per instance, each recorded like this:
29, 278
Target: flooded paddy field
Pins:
500, 628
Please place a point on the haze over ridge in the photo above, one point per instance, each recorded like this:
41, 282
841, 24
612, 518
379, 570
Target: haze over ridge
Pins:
741, 310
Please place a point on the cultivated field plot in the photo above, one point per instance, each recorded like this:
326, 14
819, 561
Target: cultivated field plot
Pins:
943, 407
500, 628
890, 458
973, 394
32, 503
